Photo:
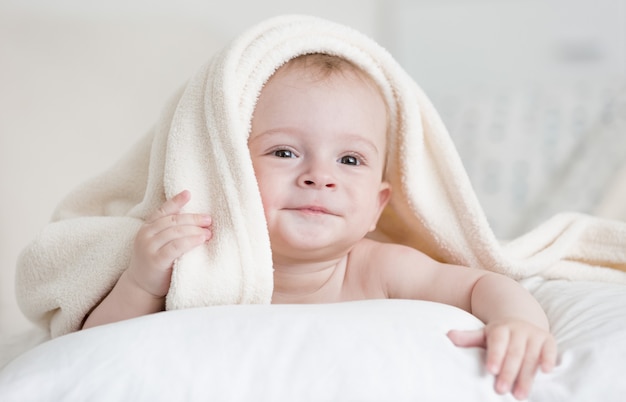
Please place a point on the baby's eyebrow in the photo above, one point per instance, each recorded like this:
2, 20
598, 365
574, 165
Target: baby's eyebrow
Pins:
357, 139
284, 131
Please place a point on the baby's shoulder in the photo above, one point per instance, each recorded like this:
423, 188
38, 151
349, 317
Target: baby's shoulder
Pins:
388, 269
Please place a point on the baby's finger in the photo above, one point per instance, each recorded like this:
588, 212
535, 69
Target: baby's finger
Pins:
497, 343
171, 206
166, 222
548, 355
176, 242
511, 365
467, 339
528, 369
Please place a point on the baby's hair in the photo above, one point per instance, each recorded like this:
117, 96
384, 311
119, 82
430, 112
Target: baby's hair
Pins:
324, 66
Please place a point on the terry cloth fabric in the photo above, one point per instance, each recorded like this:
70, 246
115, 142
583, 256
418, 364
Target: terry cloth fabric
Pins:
200, 144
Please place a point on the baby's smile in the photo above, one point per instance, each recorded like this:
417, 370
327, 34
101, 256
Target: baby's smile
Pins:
312, 210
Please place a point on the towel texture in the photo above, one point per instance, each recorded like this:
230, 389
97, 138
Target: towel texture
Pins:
200, 144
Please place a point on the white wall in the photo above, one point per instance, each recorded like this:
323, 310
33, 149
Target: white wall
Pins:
448, 43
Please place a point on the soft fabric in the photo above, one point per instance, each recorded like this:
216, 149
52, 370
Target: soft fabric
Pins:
200, 144
587, 320
375, 350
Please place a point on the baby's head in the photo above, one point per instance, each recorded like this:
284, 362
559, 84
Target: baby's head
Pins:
318, 146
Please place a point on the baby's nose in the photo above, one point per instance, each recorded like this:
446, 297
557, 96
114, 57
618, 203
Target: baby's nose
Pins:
319, 183
317, 179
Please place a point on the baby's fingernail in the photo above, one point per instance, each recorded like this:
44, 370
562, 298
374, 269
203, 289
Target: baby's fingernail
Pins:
502, 387
493, 368
520, 394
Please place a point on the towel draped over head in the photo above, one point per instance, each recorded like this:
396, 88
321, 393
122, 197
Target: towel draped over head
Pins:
200, 144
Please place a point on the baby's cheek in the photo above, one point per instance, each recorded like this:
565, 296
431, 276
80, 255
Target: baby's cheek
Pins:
270, 204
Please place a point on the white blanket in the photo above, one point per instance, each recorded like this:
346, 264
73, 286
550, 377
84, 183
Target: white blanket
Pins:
200, 144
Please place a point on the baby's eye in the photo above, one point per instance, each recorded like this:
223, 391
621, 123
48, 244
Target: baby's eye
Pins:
284, 153
350, 160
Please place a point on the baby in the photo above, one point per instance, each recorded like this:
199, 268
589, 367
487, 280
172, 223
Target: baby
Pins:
318, 147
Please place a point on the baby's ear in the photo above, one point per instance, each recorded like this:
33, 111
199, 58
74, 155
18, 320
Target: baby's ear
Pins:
384, 195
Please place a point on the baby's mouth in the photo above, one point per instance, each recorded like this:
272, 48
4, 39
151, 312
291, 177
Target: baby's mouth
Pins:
312, 210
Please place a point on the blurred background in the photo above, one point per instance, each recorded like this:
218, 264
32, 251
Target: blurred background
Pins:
532, 92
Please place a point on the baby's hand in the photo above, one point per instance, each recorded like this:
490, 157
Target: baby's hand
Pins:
166, 235
515, 350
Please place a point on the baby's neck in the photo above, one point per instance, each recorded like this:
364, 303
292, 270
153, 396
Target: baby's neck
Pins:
309, 282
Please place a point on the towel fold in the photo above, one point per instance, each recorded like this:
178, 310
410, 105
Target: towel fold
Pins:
200, 144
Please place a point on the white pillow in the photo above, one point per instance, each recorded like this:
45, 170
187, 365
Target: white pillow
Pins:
377, 350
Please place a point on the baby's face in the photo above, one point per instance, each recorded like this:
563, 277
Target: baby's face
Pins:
318, 149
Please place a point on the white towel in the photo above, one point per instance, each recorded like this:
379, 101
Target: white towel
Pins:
200, 144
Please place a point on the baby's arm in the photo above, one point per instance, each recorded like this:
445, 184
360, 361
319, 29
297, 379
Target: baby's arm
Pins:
516, 334
141, 289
